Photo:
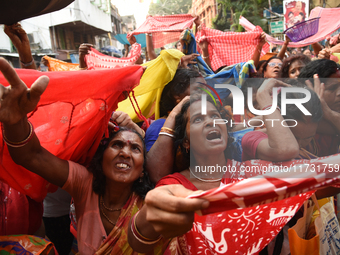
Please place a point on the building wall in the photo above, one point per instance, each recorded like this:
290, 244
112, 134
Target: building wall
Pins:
205, 9
329, 3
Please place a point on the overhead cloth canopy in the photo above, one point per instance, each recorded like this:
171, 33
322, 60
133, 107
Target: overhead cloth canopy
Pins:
229, 48
140, 39
16, 10
70, 119
328, 23
164, 29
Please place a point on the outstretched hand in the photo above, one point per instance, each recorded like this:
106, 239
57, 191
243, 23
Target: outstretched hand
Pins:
17, 100
169, 212
18, 37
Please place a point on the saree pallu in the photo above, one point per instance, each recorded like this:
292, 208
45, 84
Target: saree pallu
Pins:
25, 245
117, 241
56, 65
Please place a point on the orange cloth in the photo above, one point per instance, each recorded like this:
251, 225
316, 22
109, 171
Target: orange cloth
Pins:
59, 65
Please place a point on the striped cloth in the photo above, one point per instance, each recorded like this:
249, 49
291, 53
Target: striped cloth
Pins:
229, 48
328, 23
97, 61
164, 29
245, 215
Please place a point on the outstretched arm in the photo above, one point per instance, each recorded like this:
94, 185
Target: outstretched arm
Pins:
257, 52
20, 40
284, 48
16, 102
166, 212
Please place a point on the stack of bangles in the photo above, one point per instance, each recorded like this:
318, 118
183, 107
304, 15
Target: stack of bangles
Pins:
21, 143
167, 131
139, 236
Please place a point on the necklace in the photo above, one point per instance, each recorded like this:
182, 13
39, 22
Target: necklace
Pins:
204, 180
107, 208
106, 217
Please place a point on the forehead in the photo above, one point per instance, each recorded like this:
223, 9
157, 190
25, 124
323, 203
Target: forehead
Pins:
296, 63
275, 60
128, 136
196, 107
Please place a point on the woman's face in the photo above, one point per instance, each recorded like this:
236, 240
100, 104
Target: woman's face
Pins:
273, 69
207, 137
124, 158
294, 69
332, 92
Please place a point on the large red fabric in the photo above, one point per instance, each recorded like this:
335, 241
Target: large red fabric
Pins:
70, 119
97, 61
328, 23
229, 48
164, 29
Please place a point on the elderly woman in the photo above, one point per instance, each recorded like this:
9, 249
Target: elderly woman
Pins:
106, 195
271, 69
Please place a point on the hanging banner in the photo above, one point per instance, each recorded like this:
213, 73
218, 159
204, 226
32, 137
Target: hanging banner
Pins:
295, 12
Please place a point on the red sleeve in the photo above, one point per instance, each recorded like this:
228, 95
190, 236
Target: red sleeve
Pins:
176, 178
250, 141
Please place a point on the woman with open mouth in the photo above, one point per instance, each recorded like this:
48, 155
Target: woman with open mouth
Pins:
272, 68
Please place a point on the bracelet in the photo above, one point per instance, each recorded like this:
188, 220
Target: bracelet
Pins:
205, 57
21, 143
168, 130
269, 106
142, 239
164, 133
27, 64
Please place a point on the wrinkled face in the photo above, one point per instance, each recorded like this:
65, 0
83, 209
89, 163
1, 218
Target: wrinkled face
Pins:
304, 132
273, 69
206, 139
332, 92
294, 69
123, 159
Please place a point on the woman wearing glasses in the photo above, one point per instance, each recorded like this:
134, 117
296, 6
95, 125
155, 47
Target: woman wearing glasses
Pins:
272, 68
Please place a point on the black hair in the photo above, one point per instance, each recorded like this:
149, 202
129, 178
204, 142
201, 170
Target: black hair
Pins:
99, 179
274, 49
260, 64
288, 61
290, 13
266, 64
179, 84
313, 105
181, 121
323, 67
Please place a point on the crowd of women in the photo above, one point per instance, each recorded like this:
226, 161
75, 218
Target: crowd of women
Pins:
131, 198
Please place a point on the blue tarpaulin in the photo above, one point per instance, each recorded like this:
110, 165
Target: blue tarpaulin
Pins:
140, 39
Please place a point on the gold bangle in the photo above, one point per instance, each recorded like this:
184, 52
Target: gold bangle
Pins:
167, 130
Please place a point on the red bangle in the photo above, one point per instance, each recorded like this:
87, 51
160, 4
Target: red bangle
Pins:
21, 143
139, 236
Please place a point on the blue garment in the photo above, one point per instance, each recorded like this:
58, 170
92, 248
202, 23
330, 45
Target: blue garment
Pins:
152, 132
235, 148
139, 38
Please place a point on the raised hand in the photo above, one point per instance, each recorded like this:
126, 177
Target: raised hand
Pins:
17, 100
84, 49
188, 59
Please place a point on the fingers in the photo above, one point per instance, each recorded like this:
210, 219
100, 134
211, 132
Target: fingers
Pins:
38, 87
171, 199
2, 92
9, 73
309, 84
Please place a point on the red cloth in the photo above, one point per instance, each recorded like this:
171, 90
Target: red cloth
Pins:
97, 61
164, 29
245, 215
70, 119
18, 213
250, 141
229, 48
328, 23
